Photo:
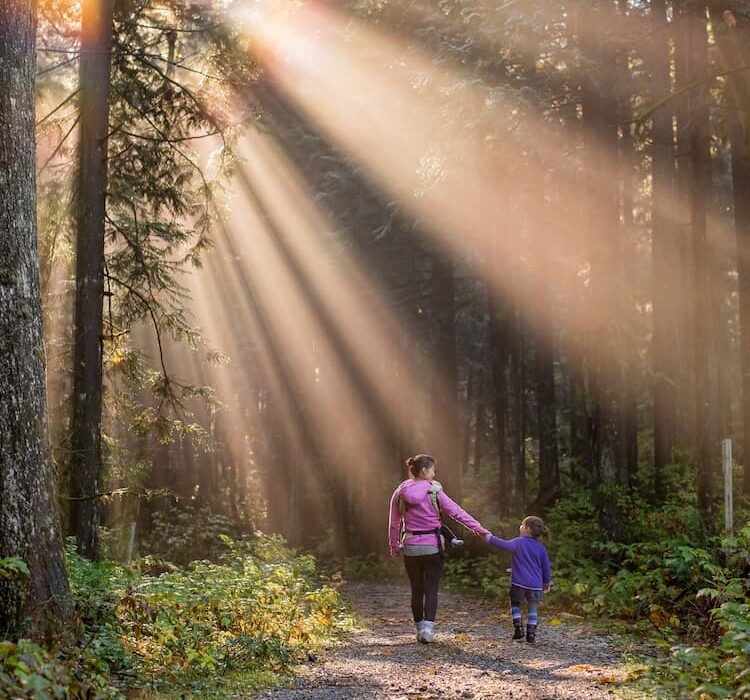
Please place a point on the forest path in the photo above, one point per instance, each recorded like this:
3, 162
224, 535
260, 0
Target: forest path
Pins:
474, 656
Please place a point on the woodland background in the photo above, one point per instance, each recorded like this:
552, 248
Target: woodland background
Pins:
283, 246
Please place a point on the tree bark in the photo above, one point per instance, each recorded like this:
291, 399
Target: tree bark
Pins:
478, 408
604, 300
446, 439
85, 463
732, 43
29, 523
499, 335
549, 470
700, 166
665, 261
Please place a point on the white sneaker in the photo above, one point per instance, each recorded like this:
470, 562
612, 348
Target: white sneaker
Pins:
420, 630
428, 632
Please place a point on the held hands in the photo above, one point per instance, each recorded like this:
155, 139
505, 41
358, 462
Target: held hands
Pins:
729, 18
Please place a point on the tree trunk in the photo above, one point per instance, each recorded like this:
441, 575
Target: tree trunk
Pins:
601, 121
549, 471
478, 409
665, 261
732, 43
499, 335
85, 463
446, 432
29, 523
579, 418
628, 166
699, 185
517, 421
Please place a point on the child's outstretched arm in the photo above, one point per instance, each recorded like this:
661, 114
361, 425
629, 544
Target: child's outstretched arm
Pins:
509, 545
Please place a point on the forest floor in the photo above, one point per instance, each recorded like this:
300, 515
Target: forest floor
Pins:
474, 656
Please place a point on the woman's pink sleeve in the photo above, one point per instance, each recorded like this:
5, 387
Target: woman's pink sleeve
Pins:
452, 508
394, 523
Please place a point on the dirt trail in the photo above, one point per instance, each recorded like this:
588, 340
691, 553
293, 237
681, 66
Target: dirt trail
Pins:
473, 658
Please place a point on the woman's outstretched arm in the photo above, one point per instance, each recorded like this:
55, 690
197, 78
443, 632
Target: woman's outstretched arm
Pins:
450, 507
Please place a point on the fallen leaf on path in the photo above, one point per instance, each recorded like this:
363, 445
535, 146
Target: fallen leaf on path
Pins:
605, 680
554, 622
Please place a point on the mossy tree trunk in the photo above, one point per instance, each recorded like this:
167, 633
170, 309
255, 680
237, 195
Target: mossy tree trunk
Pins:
29, 524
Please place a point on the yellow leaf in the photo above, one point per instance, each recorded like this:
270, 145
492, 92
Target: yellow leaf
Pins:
604, 680
554, 622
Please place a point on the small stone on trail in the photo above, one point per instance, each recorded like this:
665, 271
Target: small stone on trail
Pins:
311, 657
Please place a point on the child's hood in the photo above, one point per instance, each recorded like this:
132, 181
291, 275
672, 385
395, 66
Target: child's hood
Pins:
414, 490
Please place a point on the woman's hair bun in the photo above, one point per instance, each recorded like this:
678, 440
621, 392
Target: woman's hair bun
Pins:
419, 462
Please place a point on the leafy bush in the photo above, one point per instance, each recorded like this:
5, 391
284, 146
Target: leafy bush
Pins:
370, 567
487, 574
29, 671
204, 628
666, 575
182, 535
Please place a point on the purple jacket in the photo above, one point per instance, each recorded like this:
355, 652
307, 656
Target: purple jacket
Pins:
420, 515
529, 566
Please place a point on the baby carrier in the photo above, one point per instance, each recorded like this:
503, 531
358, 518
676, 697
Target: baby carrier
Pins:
435, 488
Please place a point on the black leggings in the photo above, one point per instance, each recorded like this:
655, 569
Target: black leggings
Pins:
425, 573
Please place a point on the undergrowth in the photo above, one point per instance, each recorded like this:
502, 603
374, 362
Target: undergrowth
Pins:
685, 592
205, 629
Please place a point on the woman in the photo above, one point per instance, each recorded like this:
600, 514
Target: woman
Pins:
414, 529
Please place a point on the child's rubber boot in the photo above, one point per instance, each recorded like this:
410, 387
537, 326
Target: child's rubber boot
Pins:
420, 630
517, 630
531, 634
428, 632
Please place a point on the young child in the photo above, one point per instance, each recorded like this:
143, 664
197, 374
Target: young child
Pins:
529, 572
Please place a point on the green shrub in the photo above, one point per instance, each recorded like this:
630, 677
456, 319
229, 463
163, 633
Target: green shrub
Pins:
666, 575
257, 609
205, 628
29, 671
185, 534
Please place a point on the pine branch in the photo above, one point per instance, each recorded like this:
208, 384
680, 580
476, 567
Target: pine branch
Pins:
58, 147
149, 308
56, 66
640, 118
60, 106
171, 29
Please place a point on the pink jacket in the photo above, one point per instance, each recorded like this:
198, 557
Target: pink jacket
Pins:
420, 514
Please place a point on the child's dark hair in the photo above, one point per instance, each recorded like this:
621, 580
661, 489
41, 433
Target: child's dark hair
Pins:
536, 525
419, 462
